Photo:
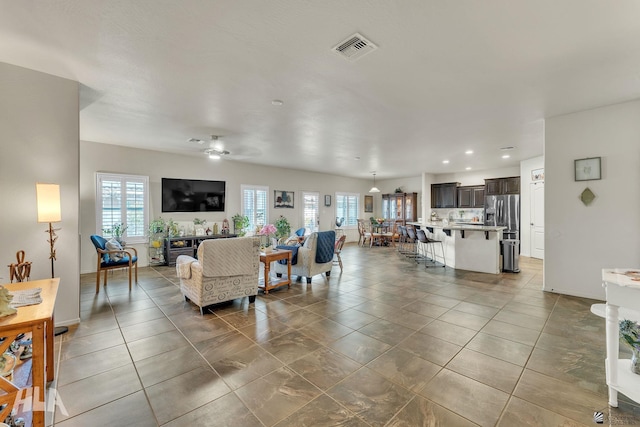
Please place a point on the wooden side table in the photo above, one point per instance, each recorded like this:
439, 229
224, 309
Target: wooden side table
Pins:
38, 320
267, 259
623, 290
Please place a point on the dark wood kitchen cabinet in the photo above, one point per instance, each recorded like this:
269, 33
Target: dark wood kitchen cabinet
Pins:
496, 186
471, 196
444, 195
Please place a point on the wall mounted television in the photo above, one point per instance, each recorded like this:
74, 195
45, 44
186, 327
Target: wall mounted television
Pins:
192, 195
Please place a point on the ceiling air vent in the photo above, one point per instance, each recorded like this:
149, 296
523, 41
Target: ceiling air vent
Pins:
354, 47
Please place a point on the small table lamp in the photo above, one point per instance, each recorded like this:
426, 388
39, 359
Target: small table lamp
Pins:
48, 200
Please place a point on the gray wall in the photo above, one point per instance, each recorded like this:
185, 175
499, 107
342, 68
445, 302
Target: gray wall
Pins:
39, 131
581, 240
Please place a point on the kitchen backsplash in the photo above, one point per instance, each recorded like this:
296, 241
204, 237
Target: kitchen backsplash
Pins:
460, 215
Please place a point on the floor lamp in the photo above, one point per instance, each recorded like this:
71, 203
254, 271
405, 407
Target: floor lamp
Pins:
48, 199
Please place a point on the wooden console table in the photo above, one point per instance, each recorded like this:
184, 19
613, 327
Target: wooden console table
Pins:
38, 321
622, 291
267, 259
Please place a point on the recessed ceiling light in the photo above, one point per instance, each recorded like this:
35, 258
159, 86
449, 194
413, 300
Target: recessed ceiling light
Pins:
468, 152
467, 168
506, 156
277, 102
445, 161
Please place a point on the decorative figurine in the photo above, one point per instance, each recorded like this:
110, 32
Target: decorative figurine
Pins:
225, 226
5, 299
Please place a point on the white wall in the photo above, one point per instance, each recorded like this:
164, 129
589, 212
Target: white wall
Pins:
39, 134
526, 166
111, 158
581, 240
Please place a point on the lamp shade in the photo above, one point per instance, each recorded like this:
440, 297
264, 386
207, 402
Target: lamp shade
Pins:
48, 199
374, 189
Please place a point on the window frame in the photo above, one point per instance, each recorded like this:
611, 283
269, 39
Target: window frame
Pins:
255, 189
124, 179
352, 196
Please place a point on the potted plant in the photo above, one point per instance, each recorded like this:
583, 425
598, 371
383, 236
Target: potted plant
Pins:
630, 334
283, 227
116, 231
158, 226
172, 228
240, 223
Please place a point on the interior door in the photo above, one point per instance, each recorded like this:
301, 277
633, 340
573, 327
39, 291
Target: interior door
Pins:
537, 220
310, 211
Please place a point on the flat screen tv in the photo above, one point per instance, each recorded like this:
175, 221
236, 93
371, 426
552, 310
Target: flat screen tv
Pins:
192, 195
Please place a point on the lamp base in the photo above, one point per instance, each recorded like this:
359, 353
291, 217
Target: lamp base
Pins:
59, 330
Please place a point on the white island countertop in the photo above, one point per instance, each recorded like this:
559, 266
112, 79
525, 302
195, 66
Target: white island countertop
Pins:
472, 247
458, 226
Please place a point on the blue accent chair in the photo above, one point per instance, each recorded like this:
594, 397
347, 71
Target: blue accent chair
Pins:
105, 263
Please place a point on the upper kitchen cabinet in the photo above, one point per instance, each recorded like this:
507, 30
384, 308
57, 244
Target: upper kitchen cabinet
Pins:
496, 186
400, 206
444, 195
471, 196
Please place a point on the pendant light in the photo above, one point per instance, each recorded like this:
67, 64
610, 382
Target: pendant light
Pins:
374, 189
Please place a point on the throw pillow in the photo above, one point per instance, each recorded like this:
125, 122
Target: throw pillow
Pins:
114, 245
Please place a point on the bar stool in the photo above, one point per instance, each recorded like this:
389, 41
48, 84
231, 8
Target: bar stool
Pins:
427, 242
412, 240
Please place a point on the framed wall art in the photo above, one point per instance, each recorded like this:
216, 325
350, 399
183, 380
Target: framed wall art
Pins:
283, 199
327, 200
587, 169
368, 203
537, 174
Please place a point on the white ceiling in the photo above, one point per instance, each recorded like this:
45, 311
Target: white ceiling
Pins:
448, 75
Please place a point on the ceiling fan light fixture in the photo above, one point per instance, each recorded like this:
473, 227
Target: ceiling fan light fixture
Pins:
216, 154
374, 189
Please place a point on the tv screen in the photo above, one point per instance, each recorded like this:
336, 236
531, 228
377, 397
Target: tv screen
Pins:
192, 195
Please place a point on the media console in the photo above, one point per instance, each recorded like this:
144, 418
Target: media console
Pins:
186, 245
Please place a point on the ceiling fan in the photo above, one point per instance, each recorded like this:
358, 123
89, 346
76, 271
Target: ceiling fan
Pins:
215, 150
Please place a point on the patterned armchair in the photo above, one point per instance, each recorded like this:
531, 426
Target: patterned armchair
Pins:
314, 257
226, 269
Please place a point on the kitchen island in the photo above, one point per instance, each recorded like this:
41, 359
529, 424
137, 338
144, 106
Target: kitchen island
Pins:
467, 246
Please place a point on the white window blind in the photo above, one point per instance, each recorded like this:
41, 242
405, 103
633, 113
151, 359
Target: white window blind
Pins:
255, 205
347, 208
122, 199
310, 211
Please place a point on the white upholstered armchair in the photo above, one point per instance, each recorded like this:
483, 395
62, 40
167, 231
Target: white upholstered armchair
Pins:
314, 257
226, 269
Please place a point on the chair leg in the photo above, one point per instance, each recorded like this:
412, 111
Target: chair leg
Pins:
130, 267
136, 265
98, 281
252, 299
340, 262
308, 280
105, 278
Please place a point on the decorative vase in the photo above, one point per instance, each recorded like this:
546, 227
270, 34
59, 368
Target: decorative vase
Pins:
635, 361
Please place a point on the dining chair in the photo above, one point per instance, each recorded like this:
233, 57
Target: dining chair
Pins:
338, 250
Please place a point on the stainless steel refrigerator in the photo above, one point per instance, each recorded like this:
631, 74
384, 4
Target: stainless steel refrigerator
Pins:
503, 211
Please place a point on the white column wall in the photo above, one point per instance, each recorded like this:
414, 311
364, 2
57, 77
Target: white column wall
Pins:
39, 134
581, 240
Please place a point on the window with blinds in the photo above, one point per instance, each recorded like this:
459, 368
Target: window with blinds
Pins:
310, 211
122, 199
255, 205
347, 208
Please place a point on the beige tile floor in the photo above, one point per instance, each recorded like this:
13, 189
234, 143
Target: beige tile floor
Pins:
387, 342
